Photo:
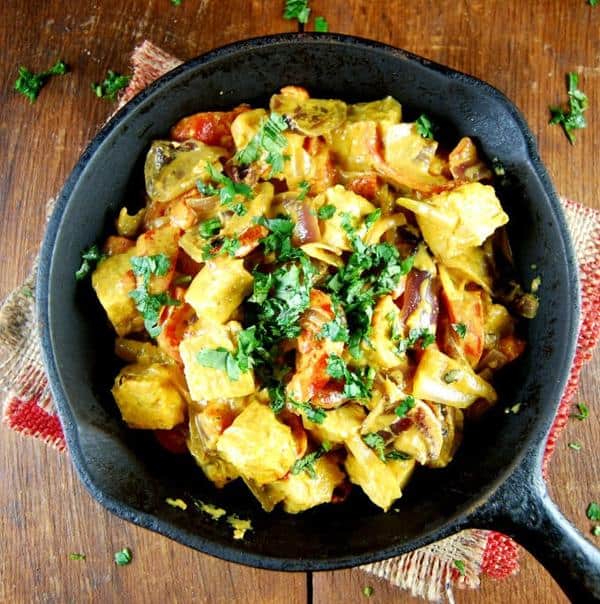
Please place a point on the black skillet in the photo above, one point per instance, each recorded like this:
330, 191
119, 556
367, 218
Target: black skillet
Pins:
495, 480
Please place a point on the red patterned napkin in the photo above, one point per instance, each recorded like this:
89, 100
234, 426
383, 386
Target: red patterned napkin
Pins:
428, 572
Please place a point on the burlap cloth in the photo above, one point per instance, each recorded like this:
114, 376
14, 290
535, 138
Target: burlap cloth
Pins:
429, 572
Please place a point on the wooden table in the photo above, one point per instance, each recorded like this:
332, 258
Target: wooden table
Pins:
523, 48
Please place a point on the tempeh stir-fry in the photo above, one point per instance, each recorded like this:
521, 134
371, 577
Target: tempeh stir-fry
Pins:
315, 295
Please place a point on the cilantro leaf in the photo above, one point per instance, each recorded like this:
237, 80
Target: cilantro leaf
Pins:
206, 188
262, 286
123, 557
279, 241
304, 187
460, 566
29, 84
76, 556
375, 441
307, 463
372, 218
228, 191
460, 329
593, 2
230, 246
326, 212
593, 511
113, 82
356, 385
277, 396
584, 412
573, 118
268, 141
405, 406
297, 9
209, 228
89, 258
424, 126
149, 305
313, 414
321, 25
414, 335
335, 331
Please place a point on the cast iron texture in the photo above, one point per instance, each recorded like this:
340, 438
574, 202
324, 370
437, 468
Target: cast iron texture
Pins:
127, 473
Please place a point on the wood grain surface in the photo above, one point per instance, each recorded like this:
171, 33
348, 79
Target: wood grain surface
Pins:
524, 49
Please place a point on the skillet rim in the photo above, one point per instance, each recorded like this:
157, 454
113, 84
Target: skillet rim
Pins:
536, 436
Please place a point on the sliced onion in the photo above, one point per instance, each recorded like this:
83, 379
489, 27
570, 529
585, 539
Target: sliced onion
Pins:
307, 226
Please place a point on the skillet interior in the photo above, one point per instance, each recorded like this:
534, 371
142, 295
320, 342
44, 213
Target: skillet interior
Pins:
124, 469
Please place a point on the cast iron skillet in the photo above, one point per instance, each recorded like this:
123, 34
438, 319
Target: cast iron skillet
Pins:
495, 480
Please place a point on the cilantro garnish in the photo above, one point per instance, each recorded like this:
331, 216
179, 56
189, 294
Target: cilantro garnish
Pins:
304, 187
268, 140
371, 271
575, 446
326, 212
279, 241
176, 2
596, 529
593, 512
460, 565
76, 556
233, 363
176, 503
424, 126
313, 414
335, 330
405, 406
307, 463
593, 2
372, 218
357, 385
414, 335
123, 557
297, 9
230, 246
321, 25
228, 191
89, 258
460, 329
29, 84
584, 412
573, 118
149, 305
113, 82
375, 441
277, 396
367, 591
209, 228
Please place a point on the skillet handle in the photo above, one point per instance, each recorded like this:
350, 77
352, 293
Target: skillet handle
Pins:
522, 509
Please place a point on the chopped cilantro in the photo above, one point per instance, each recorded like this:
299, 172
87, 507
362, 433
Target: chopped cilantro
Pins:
228, 191
596, 531
405, 406
123, 557
176, 503
279, 241
206, 188
313, 414
414, 335
262, 286
29, 84
593, 2
89, 258
367, 591
424, 126
176, 2
268, 140
593, 512
375, 441
575, 446
76, 556
321, 25
297, 9
304, 187
514, 409
113, 82
460, 329
307, 463
233, 363
584, 412
209, 228
498, 167
451, 376
356, 385
335, 331
372, 218
149, 305
277, 396
573, 118
460, 565
230, 246
326, 212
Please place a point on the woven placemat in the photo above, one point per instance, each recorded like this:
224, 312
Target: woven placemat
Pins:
429, 572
